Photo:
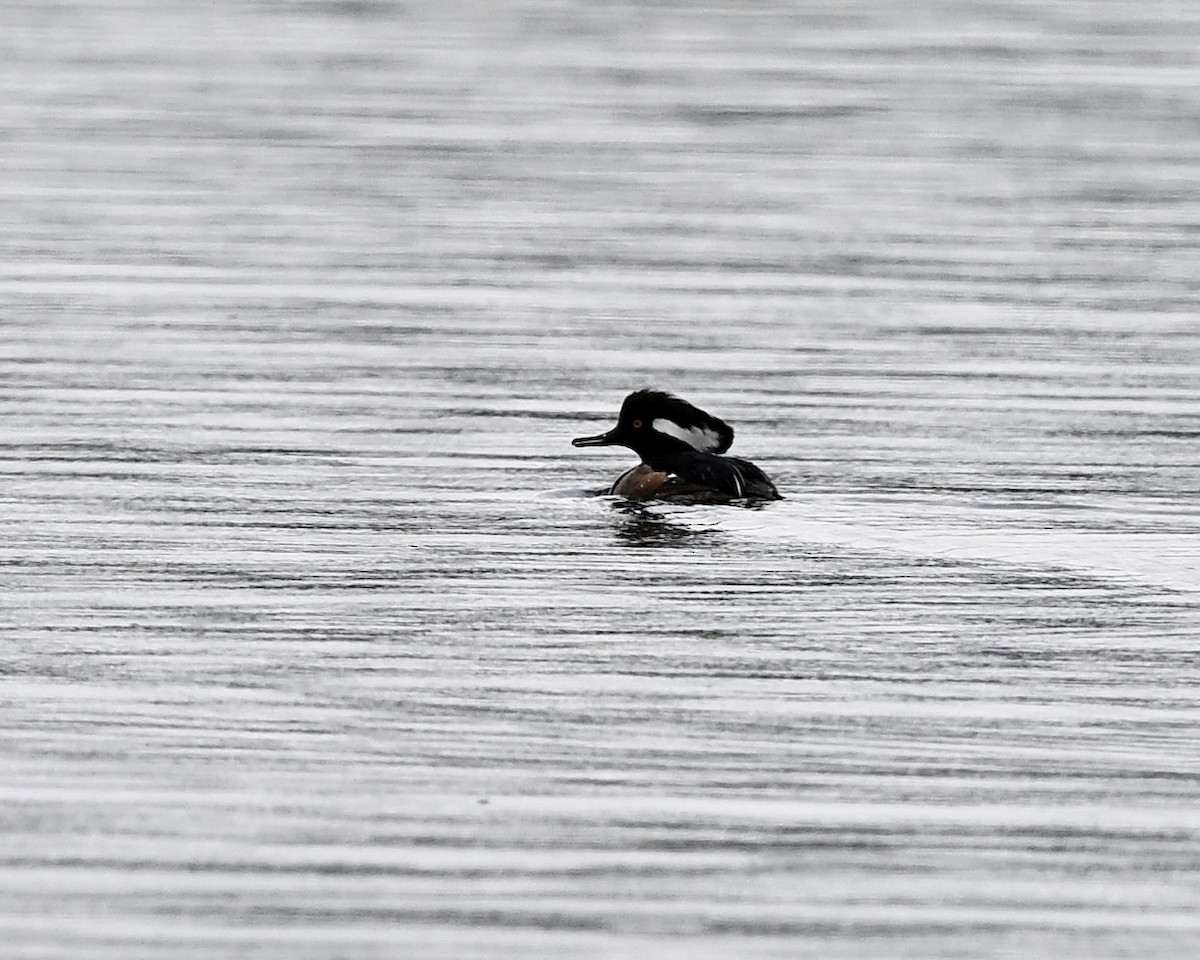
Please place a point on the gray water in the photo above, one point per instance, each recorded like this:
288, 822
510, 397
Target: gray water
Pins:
317, 639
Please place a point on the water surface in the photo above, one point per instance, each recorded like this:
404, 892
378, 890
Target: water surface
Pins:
317, 638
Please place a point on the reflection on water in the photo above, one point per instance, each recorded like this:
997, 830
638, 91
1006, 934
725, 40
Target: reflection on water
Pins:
318, 639
639, 525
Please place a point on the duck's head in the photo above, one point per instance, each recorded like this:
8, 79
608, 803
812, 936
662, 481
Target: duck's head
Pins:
652, 422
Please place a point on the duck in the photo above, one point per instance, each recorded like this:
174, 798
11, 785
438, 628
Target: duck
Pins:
681, 449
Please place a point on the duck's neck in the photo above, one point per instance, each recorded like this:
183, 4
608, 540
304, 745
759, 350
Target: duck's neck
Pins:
663, 448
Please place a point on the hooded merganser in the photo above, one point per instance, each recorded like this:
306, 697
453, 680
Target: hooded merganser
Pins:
680, 447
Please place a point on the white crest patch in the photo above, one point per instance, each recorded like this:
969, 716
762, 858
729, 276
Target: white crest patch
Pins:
698, 438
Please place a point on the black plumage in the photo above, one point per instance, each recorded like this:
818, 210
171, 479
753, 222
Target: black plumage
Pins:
680, 446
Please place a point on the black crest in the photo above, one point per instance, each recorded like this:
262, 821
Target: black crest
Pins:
677, 418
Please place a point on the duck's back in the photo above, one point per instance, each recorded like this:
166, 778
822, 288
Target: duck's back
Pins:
697, 478
758, 485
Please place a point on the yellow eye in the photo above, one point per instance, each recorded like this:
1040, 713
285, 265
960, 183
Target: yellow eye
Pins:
637, 424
